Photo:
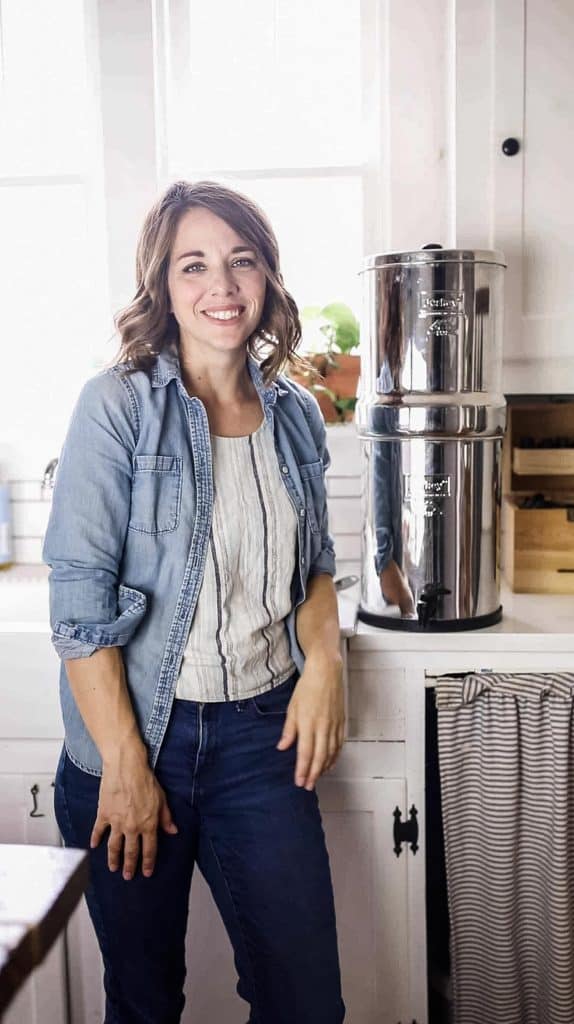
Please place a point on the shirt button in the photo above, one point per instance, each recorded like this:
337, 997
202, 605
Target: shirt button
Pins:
302, 561
301, 511
285, 469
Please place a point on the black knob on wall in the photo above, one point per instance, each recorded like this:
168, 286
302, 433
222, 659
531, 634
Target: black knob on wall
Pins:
510, 147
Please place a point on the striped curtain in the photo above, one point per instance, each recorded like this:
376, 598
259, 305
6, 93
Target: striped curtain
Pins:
506, 756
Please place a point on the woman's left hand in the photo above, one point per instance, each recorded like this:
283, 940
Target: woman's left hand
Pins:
316, 715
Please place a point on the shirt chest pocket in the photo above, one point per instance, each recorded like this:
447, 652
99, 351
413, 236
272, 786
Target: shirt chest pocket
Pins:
156, 493
314, 488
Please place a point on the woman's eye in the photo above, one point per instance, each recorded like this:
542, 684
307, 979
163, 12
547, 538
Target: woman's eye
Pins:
242, 259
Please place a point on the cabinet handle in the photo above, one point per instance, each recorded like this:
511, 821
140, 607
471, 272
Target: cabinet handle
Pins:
35, 813
510, 147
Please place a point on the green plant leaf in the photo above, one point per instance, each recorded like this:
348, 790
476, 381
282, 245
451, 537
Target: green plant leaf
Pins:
345, 324
339, 313
345, 403
346, 338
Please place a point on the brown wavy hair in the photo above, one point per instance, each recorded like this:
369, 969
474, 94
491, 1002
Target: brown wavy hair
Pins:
146, 326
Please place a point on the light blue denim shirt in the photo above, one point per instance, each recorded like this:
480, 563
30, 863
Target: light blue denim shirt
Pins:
130, 522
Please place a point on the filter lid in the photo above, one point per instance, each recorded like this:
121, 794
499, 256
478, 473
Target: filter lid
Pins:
423, 257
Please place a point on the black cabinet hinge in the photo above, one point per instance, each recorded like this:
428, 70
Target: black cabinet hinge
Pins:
405, 831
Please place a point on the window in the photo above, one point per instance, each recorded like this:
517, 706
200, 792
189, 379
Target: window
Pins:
271, 99
52, 247
267, 99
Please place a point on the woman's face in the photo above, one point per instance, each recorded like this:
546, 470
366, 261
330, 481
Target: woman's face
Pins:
205, 275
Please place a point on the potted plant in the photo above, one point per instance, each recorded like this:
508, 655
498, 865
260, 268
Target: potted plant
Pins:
332, 371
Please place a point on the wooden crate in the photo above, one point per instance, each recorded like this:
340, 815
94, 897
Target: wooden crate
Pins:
543, 461
539, 545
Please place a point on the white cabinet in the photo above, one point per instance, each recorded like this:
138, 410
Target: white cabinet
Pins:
370, 881
448, 83
514, 78
27, 816
370, 888
406, 666
30, 739
358, 801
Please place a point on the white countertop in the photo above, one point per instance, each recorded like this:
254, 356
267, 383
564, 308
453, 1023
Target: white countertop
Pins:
528, 620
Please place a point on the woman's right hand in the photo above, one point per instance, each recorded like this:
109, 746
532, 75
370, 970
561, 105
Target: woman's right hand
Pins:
132, 804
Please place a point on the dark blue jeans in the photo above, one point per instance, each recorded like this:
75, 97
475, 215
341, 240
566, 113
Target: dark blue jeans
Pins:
258, 841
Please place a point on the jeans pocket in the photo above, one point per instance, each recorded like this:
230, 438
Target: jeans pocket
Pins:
274, 702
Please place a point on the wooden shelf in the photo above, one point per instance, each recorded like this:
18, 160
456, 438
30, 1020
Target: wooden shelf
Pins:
543, 461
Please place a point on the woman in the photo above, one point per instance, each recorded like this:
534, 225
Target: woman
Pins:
189, 528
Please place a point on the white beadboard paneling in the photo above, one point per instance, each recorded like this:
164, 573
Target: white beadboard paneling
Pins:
343, 486
29, 518
347, 547
344, 515
344, 447
26, 490
343, 482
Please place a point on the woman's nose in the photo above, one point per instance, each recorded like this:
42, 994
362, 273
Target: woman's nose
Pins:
222, 280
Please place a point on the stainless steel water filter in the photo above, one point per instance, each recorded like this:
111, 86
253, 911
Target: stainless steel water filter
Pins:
430, 414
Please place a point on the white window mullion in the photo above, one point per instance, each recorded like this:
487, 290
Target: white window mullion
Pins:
375, 93
127, 96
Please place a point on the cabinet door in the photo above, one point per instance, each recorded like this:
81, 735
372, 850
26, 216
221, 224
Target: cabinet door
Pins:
370, 886
27, 816
515, 80
85, 969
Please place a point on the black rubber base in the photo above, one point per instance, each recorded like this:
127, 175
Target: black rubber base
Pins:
434, 626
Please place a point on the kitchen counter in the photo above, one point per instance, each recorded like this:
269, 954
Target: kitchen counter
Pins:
528, 620
41, 887
24, 604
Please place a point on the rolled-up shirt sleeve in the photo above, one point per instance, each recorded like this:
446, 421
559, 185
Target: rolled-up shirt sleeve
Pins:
90, 607
325, 560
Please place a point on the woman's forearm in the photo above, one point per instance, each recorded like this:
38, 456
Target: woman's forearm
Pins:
317, 618
99, 687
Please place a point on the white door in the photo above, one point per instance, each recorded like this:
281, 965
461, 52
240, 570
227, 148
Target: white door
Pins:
27, 816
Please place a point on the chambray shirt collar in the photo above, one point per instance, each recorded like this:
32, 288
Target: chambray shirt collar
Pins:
168, 366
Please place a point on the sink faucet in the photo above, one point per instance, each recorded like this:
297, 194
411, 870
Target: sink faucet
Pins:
48, 479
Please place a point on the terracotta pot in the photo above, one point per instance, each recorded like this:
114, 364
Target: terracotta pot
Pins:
341, 379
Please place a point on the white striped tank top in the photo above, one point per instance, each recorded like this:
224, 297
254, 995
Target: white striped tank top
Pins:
238, 644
